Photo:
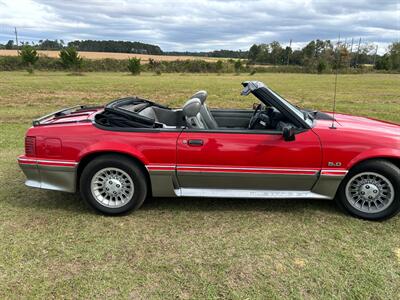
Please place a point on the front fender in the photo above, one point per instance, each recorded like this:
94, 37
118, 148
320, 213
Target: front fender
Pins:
374, 153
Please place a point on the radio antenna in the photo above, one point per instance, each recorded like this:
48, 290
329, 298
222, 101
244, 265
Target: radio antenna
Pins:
338, 61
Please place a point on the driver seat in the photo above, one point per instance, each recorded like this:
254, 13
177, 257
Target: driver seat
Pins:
204, 111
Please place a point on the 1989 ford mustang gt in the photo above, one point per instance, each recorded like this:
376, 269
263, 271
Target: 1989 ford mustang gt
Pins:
119, 154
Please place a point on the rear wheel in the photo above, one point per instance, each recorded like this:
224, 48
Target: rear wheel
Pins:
113, 184
371, 190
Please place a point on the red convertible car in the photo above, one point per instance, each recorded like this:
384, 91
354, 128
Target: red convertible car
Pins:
119, 154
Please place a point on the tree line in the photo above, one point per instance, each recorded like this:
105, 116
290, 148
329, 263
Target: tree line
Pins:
323, 55
319, 56
91, 45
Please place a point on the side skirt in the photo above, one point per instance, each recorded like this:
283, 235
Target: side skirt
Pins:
236, 193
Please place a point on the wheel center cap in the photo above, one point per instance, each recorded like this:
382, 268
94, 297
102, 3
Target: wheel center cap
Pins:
113, 186
369, 191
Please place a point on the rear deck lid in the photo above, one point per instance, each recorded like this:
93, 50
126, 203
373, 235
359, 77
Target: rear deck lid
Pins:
79, 113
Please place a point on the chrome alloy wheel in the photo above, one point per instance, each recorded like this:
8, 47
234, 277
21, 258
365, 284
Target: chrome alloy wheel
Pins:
112, 187
369, 192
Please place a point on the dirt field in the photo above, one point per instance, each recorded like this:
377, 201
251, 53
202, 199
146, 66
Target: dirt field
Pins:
100, 55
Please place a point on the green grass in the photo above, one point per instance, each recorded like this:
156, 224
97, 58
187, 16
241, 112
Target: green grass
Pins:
53, 246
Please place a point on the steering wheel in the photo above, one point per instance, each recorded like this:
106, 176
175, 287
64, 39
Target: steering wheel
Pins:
254, 117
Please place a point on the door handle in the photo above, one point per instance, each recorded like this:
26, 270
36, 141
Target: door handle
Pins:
195, 143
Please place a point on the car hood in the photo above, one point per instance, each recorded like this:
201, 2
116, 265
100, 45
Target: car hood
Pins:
363, 125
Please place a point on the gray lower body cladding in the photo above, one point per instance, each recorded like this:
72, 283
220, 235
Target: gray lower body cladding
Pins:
239, 185
170, 183
57, 178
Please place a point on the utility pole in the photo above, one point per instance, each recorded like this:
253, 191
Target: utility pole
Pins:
288, 55
351, 51
345, 48
358, 51
16, 36
376, 52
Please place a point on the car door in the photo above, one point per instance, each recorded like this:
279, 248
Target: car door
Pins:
246, 163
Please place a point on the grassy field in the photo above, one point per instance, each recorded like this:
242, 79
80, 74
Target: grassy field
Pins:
53, 246
100, 55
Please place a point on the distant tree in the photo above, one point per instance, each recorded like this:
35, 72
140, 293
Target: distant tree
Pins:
10, 44
309, 51
50, 45
70, 59
394, 56
321, 67
253, 52
366, 54
340, 57
263, 55
383, 62
29, 57
287, 53
296, 57
134, 65
277, 53
116, 46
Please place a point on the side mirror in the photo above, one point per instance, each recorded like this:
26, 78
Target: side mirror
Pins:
289, 134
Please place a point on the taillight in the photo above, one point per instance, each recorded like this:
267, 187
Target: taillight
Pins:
30, 146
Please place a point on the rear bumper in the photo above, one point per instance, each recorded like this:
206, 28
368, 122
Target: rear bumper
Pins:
54, 175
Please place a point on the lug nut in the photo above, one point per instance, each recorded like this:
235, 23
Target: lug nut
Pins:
375, 191
370, 197
367, 186
118, 185
362, 193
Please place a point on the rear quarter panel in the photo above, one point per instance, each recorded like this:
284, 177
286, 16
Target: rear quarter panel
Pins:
79, 140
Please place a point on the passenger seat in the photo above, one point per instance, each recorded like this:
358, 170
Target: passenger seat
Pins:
191, 111
204, 111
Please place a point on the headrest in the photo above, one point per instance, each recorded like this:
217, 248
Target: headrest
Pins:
201, 95
192, 107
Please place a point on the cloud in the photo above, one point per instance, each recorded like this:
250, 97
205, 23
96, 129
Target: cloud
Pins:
201, 25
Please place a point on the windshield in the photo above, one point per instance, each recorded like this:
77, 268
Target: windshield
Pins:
297, 111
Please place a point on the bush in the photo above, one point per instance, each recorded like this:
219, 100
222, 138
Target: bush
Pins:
12, 63
134, 65
70, 59
219, 66
29, 57
238, 66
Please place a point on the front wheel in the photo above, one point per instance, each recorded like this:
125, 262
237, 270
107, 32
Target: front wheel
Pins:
371, 190
113, 184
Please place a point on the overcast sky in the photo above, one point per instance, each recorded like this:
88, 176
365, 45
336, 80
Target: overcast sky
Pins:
201, 25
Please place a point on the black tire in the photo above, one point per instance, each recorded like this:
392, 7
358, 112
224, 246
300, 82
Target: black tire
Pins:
380, 167
129, 167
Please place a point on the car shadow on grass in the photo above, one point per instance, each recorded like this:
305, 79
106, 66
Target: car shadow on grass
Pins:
234, 204
52, 201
